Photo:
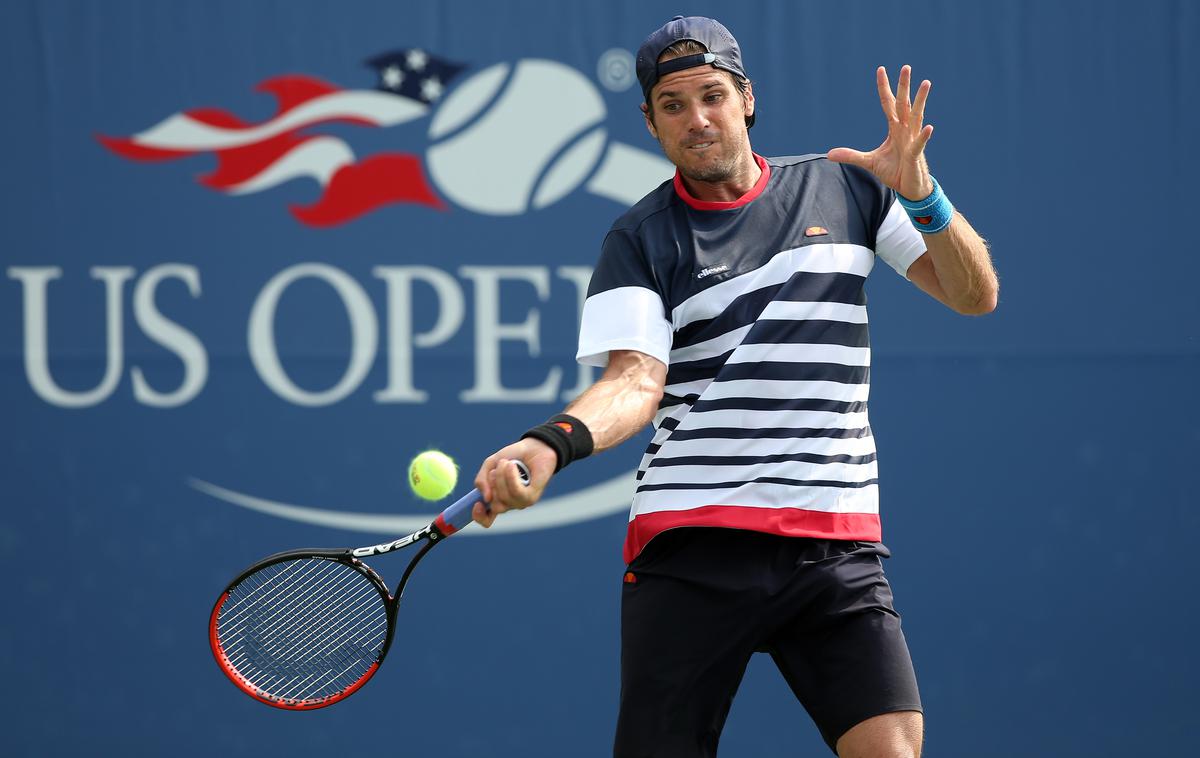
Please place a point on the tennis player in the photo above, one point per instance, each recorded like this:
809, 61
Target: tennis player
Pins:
727, 307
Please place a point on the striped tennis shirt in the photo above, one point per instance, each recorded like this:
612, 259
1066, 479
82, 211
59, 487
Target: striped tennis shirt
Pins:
757, 307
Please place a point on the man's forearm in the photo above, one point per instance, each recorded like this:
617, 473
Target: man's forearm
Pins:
621, 402
964, 268
613, 409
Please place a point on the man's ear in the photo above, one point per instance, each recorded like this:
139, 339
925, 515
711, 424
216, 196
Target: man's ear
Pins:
749, 99
649, 121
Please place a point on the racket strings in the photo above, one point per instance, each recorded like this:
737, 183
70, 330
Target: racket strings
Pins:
294, 611
303, 629
291, 632
293, 646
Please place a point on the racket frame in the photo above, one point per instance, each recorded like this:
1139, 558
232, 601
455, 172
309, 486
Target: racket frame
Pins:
351, 557
450, 521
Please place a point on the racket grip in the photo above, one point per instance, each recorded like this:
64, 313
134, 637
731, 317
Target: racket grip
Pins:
458, 515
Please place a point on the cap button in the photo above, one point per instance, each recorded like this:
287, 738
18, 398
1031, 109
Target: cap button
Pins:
677, 18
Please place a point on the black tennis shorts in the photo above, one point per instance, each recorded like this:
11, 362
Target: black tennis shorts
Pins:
699, 601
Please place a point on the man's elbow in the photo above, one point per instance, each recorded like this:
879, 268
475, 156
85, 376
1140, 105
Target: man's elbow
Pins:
652, 394
980, 305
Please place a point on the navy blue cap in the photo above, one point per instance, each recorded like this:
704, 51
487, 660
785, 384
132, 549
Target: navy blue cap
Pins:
723, 51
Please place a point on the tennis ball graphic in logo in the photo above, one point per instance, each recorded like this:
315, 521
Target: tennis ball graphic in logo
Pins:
515, 138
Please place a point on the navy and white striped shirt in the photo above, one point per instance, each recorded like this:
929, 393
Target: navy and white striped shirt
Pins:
757, 308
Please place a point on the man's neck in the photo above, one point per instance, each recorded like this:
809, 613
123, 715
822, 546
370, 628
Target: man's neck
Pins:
729, 190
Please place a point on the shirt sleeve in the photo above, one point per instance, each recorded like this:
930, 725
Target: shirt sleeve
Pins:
897, 241
624, 309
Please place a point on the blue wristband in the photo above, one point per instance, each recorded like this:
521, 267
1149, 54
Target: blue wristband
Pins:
932, 214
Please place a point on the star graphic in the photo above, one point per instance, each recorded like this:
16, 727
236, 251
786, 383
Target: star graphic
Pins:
416, 60
393, 77
431, 89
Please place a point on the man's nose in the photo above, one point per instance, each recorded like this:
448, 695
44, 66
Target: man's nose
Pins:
697, 118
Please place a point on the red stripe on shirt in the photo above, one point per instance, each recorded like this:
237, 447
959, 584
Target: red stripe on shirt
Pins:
789, 522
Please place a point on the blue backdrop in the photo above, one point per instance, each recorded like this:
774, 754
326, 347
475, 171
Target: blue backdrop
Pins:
197, 371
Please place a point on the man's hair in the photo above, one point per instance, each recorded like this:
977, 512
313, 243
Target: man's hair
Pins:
686, 47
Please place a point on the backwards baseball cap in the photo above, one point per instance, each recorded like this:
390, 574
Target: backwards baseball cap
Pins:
723, 51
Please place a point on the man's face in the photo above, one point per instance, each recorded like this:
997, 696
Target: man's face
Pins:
700, 121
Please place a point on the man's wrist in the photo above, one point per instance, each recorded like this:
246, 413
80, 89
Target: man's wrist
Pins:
931, 214
566, 435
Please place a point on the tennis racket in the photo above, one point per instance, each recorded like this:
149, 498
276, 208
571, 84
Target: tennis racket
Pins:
307, 628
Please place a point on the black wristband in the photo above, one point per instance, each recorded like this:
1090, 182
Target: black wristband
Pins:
567, 435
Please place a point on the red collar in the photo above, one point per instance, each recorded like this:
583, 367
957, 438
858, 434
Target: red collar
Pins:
710, 205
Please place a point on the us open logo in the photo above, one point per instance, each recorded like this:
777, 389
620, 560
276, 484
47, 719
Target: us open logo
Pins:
511, 138
507, 140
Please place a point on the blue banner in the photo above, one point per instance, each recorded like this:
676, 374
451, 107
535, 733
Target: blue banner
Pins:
258, 256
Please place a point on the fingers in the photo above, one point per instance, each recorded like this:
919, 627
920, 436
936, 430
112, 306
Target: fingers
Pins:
501, 489
500, 483
482, 515
849, 155
886, 99
923, 139
482, 481
485, 511
502, 497
918, 109
899, 106
903, 105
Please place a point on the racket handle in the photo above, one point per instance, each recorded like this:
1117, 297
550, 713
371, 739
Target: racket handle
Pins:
458, 515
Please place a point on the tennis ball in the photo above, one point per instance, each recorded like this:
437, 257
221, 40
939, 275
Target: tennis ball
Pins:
506, 143
432, 475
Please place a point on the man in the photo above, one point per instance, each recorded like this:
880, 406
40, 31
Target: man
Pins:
728, 307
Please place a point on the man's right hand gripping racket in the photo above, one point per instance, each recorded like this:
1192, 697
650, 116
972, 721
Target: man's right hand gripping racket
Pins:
307, 628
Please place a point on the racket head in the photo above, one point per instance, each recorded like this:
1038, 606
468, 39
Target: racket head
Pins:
303, 629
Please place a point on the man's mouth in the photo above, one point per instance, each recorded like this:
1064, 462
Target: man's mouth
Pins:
700, 145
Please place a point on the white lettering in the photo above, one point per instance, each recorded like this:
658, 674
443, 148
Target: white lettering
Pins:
408, 331
34, 281
364, 331
712, 270
171, 336
401, 339
489, 331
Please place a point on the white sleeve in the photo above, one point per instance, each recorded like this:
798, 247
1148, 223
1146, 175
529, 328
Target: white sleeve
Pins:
624, 318
897, 241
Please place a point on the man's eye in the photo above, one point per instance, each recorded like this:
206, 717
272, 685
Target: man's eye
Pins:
713, 97
671, 107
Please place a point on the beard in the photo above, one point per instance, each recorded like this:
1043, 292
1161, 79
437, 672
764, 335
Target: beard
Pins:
722, 167
714, 173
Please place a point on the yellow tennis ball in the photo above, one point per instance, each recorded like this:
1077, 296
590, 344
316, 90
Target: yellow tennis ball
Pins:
432, 475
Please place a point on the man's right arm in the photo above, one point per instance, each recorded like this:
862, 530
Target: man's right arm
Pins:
615, 408
623, 400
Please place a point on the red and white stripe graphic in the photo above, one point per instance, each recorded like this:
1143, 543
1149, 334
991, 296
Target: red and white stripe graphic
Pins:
254, 157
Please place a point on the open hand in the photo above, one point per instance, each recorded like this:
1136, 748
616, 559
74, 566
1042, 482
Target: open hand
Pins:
900, 161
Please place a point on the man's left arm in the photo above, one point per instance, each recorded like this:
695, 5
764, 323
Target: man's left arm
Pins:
956, 267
